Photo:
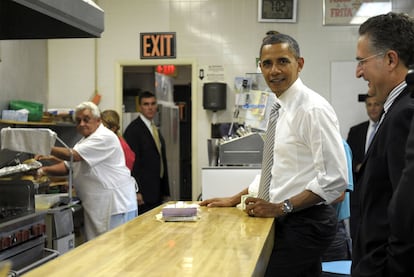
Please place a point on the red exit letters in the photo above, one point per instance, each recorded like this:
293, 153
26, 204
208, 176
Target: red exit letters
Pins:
158, 45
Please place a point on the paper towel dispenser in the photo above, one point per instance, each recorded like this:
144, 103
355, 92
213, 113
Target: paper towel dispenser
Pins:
214, 96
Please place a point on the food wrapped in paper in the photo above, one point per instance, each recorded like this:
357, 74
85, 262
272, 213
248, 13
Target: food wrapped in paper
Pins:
20, 168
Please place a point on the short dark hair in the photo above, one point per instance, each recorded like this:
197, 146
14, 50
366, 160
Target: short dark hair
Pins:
391, 31
146, 94
270, 33
281, 38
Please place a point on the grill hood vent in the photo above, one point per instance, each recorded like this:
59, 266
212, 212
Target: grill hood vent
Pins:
49, 19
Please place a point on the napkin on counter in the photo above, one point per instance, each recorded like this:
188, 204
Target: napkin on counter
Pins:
180, 211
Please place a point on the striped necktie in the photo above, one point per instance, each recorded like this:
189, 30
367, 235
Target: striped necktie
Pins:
267, 162
371, 136
157, 140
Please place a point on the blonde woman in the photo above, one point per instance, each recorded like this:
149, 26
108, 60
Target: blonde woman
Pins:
110, 120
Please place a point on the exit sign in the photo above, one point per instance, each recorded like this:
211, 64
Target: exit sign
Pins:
158, 45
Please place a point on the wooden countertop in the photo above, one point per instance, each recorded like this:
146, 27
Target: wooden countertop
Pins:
223, 242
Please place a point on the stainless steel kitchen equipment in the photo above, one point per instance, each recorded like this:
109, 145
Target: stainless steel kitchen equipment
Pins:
60, 230
22, 228
168, 121
28, 140
213, 151
245, 150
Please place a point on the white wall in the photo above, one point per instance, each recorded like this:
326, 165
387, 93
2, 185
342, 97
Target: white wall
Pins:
23, 71
209, 32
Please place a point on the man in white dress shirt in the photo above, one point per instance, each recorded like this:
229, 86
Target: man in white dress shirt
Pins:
309, 166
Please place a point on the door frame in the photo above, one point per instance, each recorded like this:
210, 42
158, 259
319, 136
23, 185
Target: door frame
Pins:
195, 188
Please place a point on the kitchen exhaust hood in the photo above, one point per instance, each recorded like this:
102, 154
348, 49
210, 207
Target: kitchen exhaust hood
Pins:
49, 19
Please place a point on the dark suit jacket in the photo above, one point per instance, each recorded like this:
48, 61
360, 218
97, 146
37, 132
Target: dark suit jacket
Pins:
380, 174
147, 166
356, 140
402, 203
401, 214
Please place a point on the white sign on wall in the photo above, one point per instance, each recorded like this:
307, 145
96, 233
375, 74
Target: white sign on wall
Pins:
345, 88
353, 12
213, 73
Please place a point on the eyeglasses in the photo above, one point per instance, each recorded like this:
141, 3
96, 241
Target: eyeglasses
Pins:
362, 61
85, 119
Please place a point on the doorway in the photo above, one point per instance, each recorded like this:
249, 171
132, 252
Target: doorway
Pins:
138, 78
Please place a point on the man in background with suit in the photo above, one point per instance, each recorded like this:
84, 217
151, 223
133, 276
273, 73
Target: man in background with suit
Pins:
384, 53
150, 167
359, 138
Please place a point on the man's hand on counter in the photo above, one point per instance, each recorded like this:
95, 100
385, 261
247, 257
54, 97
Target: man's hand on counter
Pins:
224, 201
261, 208
218, 202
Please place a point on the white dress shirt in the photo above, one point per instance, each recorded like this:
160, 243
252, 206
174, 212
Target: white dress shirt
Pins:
308, 151
391, 97
147, 122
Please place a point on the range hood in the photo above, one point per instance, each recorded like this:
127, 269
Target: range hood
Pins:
48, 19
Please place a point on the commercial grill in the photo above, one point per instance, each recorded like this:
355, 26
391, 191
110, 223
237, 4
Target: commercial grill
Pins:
22, 228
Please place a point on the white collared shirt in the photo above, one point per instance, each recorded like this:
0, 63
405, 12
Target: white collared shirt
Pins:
390, 99
308, 151
147, 122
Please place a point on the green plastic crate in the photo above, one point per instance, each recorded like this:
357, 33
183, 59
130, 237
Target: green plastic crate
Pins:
35, 109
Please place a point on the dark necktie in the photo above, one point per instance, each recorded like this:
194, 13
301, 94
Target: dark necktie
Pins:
267, 162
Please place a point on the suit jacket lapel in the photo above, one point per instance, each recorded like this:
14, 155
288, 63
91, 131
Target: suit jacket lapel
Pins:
374, 141
148, 133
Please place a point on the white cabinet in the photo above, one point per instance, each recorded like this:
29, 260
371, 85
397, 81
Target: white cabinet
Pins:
226, 181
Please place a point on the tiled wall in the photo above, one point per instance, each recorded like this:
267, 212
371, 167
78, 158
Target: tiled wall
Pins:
209, 32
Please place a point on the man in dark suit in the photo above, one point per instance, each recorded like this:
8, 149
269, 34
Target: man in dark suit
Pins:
401, 209
150, 167
384, 53
359, 140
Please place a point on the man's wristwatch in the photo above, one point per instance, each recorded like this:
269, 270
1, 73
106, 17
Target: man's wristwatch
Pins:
287, 206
